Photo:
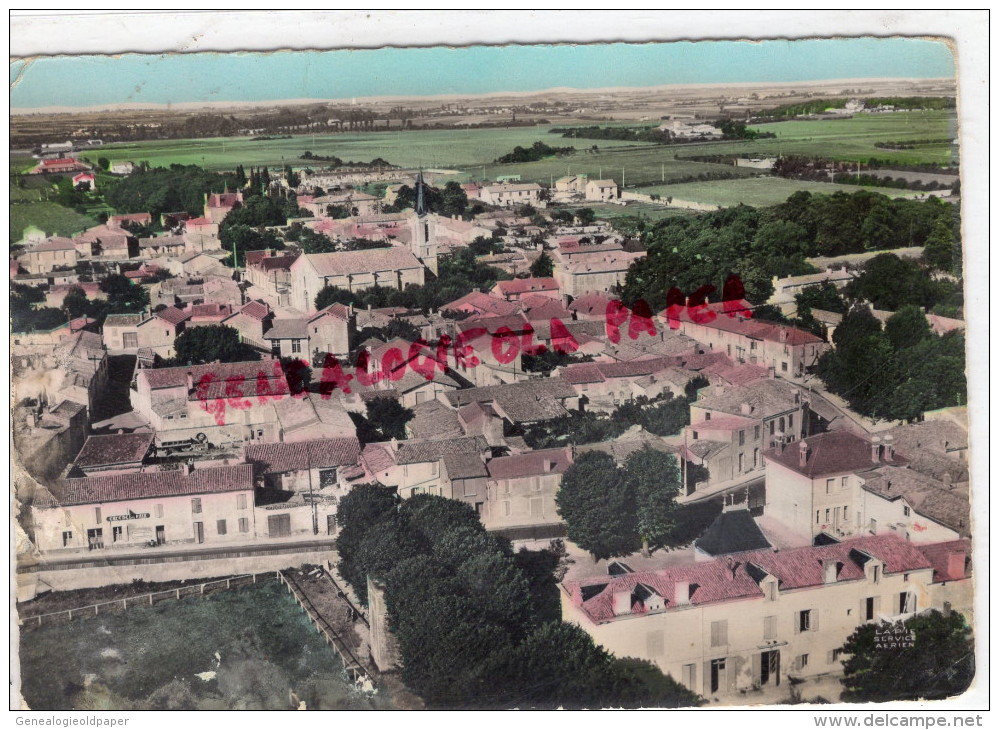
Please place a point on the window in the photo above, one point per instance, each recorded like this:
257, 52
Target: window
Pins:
537, 507
434, 469
67, 538
871, 608
829, 485
771, 428
220, 527
240, 501
834, 655
244, 524
905, 510
742, 438
707, 416
802, 661
719, 633
770, 628
129, 339
158, 510
694, 435
506, 509
196, 505
97, 514
906, 602
756, 433
827, 515
756, 458
279, 525
536, 483
780, 426
817, 517
296, 346
844, 482
741, 460
807, 621
783, 367
790, 421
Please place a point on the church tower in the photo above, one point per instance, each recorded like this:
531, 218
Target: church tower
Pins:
424, 240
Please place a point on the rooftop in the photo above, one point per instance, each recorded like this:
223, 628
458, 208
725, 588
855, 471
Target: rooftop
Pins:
927, 496
151, 484
342, 263
728, 579
532, 463
733, 531
835, 452
126, 448
765, 398
318, 454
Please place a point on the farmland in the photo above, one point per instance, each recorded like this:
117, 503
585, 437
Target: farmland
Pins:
473, 150
757, 192
444, 148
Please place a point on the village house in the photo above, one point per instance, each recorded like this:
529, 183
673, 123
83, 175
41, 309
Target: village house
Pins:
85, 181
601, 190
731, 428
47, 439
522, 488
120, 333
506, 195
124, 167
518, 404
789, 350
218, 205
158, 332
251, 321
174, 246
107, 242
58, 166
477, 302
420, 467
210, 504
271, 272
124, 452
394, 268
516, 289
306, 469
787, 287
51, 255
83, 363
56, 294
735, 625
840, 485
582, 272
218, 404
201, 234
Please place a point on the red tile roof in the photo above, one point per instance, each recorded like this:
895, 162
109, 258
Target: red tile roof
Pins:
720, 580
582, 373
751, 328
531, 463
176, 377
477, 301
939, 555
836, 452
199, 222
130, 218
339, 311
151, 484
316, 454
123, 448
368, 261
255, 309
523, 286
172, 315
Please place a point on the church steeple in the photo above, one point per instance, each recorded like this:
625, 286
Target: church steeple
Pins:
421, 202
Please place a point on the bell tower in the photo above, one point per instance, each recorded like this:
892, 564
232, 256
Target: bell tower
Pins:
423, 243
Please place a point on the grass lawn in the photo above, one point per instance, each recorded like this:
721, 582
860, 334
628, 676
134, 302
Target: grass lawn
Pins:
757, 191
49, 217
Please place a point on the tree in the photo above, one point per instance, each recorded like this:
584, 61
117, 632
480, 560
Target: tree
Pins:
939, 251
123, 295
104, 163
334, 295
907, 327
543, 265
200, 345
585, 216
388, 417
76, 302
940, 662
454, 200
598, 505
363, 507
655, 477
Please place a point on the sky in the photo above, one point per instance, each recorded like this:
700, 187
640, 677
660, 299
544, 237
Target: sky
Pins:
84, 81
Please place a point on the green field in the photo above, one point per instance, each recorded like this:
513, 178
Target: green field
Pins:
52, 218
433, 148
757, 191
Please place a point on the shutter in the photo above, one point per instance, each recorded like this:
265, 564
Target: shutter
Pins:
731, 674
796, 620
815, 620
830, 656
723, 630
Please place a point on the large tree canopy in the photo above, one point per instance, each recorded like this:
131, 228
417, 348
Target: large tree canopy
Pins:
200, 345
940, 662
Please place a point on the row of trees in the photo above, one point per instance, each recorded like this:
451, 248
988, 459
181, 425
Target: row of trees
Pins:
122, 296
449, 202
758, 244
477, 624
896, 372
537, 151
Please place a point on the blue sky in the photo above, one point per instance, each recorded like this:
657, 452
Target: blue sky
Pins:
206, 77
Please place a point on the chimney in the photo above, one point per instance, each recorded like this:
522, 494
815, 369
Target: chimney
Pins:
946, 609
876, 450
889, 447
955, 565
746, 409
830, 570
547, 465
190, 381
622, 602
682, 593
802, 454
730, 569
